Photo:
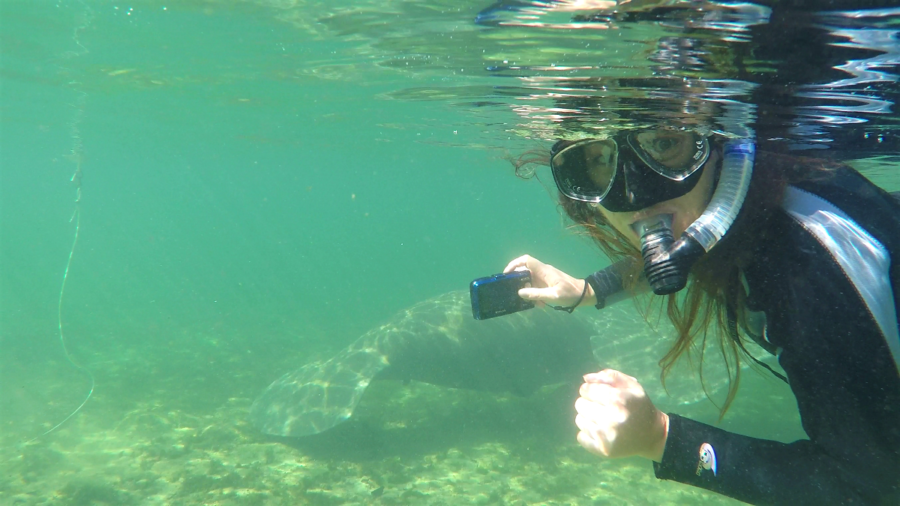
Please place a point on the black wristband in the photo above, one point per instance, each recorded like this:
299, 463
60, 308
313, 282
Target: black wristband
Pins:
601, 300
610, 281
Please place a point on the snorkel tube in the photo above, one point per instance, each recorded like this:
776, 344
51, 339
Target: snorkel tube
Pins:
667, 262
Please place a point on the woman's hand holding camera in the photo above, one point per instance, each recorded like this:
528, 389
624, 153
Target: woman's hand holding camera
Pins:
550, 285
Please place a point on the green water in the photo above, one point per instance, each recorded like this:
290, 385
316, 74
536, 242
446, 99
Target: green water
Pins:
261, 184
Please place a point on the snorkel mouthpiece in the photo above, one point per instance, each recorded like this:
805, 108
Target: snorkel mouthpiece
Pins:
667, 262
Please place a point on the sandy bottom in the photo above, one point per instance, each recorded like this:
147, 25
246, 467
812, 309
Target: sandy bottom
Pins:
407, 444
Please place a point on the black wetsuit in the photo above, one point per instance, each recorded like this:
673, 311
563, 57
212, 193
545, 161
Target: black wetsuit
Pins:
824, 278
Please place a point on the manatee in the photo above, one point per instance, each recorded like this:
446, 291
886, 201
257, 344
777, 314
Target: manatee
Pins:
439, 342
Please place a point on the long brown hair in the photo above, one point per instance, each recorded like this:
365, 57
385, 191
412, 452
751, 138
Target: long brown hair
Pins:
715, 286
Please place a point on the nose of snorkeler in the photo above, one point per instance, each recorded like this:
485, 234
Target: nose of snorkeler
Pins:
638, 193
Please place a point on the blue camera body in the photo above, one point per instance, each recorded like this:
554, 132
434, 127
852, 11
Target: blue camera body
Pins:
498, 295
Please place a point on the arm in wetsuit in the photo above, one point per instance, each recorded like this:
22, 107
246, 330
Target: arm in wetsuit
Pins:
825, 280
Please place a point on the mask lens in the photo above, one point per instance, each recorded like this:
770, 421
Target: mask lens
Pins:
672, 153
585, 170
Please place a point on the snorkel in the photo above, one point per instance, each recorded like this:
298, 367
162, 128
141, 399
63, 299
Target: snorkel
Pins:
596, 170
667, 262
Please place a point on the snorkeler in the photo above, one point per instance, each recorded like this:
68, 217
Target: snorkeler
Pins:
790, 252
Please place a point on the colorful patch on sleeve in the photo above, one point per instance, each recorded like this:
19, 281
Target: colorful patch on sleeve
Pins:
707, 459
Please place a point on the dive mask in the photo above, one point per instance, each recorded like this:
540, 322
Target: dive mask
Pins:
632, 170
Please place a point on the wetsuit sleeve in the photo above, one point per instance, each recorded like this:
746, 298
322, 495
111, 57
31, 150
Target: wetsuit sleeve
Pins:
842, 370
609, 284
753, 470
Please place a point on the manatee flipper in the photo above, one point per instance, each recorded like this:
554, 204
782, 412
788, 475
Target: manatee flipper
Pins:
317, 396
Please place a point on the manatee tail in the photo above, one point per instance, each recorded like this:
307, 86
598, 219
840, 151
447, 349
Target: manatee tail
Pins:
317, 397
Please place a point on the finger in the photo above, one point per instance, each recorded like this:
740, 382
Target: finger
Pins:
626, 379
584, 423
588, 408
610, 377
532, 264
628, 386
546, 294
604, 434
600, 393
604, 417
521, 261
582, 406
592, 445
598, 377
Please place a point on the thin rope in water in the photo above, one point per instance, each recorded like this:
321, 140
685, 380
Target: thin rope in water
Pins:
76, 217
77, 154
